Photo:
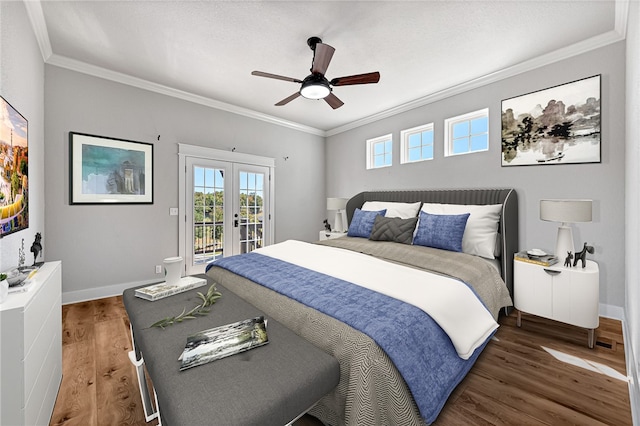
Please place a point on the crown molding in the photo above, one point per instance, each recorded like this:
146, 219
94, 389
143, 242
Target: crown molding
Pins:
39, 25
83, 67
36, 15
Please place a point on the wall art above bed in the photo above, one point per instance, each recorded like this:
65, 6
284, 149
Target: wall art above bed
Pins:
559, 125
109, 171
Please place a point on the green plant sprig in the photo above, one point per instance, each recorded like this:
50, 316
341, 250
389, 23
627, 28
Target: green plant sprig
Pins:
200, 310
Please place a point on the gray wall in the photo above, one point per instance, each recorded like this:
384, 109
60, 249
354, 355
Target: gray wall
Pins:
21, 84
118, 245
604, 183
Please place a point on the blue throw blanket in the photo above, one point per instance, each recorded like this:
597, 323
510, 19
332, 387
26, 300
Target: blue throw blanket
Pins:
421, 351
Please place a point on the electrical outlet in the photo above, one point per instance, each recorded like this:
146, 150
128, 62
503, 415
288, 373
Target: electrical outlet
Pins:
158, 269
173, 211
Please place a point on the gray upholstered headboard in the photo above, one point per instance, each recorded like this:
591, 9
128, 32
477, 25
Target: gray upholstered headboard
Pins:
508, 227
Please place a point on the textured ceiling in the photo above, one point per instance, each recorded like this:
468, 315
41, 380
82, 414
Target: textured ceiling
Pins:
207, 49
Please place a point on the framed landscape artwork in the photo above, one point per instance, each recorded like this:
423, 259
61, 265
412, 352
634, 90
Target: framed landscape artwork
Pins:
559, 125
14, 170
109, 171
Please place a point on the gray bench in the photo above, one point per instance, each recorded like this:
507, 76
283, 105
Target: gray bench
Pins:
269, 385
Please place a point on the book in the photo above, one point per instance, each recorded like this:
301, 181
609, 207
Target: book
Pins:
221, 342
543, 260
163, 289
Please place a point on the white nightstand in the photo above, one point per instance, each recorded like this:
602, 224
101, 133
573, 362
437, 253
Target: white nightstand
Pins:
326, 235
569, 295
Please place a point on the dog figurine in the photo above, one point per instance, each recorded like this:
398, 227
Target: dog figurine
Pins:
582, 255
327, 226
568, 259
36, 247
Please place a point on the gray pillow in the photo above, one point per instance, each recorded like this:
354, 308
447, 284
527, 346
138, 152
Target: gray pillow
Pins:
393, 229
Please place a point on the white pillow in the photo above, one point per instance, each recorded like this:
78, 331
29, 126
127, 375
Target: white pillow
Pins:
481, 233
401, 210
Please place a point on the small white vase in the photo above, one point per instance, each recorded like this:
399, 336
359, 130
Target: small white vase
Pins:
4, 290
173, 267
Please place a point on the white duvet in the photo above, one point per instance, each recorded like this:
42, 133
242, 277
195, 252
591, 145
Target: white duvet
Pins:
451, 303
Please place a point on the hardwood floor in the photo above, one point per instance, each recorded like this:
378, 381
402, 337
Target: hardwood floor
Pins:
514, 382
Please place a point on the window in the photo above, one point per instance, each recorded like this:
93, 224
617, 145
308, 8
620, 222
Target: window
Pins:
467, 133
417, 144
379, 152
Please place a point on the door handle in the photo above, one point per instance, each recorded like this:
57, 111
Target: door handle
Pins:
235, 222
552, 271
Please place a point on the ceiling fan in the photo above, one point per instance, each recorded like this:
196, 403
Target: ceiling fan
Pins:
316, 85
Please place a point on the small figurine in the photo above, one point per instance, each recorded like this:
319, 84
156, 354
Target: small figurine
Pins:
582, 255
327, 226
567, 260
21, 255
36, 247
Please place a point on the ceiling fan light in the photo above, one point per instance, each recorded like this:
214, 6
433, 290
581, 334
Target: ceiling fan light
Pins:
315, 90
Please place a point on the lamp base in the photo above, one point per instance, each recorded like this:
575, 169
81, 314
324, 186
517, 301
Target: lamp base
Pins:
564, 242
340, 222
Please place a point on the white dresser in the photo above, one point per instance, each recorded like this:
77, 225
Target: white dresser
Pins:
31, 349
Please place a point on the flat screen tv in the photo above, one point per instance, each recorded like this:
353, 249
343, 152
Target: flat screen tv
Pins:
14, 170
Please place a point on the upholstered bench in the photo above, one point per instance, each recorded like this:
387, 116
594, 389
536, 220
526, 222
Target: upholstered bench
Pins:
270, 385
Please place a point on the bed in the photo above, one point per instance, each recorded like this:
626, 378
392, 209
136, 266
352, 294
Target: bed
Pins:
362, 298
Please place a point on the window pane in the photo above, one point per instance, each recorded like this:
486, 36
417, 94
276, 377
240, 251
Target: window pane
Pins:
460, 130
198, 176
460, 145
378, 161
427, 137
387, 147
208, 177
414, 140
378, 148
479, 143
414, 154
427, 152
479, 125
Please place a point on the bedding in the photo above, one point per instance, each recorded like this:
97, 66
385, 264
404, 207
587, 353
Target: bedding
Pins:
441, 231
372, 389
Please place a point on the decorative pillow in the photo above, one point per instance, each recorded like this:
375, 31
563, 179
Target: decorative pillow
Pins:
393, 229
481, 233
441, 231
401, 210
362, 223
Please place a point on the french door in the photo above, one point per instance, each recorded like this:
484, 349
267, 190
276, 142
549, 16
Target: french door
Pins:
227, 210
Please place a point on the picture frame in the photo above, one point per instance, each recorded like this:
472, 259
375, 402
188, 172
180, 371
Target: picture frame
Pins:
14, 170
104, 170
558, 125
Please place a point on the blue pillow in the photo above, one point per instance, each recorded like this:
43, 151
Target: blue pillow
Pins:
362, 222
441, 231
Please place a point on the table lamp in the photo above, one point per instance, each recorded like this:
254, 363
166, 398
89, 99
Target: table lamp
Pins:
565, 212
339, 205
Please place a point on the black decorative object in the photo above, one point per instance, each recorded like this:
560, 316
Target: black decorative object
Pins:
327, 226
568, 259
36, 247
582, 255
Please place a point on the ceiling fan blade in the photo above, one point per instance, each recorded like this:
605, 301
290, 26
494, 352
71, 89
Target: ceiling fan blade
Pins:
333, 101
288, 99
321, 58
277, 77
371, 77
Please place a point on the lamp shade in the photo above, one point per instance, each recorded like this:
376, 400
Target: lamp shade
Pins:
336, 203
566, 211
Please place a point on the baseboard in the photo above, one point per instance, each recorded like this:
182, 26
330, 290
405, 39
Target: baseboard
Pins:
100, 292
611, 311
